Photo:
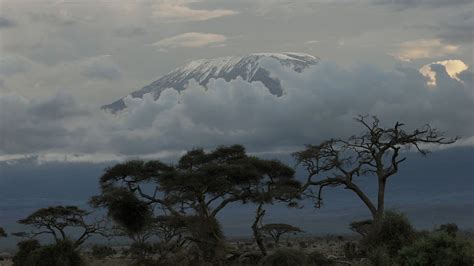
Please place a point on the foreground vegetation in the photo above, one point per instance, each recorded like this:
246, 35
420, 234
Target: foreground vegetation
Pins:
169, 211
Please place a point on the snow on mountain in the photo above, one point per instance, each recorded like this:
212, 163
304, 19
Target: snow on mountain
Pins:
249, 68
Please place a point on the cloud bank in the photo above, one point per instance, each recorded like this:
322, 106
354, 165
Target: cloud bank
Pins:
175, 11
191, 40
317, 104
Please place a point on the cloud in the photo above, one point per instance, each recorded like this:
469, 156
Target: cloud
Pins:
101, 67
190, 40
6, 23
404, 4
458, 28
55, 17
453, 68
424, 48
29, 126
130, 32
14, 64
317, 104
178, 12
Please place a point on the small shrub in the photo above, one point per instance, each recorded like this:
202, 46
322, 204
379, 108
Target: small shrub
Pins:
450, 228
380, 256
284, 257
270, 245
351, 251
393, 232
141, 250
102, 251
303, 244
63, 253
250, 258
438, 249
25, 248
316, 258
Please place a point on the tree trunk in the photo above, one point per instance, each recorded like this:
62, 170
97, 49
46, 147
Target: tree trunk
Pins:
256, 231
380, 200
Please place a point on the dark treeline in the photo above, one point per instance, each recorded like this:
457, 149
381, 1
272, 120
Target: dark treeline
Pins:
169, 211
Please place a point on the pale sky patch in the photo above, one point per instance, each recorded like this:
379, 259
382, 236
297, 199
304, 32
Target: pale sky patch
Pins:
424, 48
179, 12
191, 40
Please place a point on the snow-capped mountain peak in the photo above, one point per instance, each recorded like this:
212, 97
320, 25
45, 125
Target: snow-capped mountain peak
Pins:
249, 68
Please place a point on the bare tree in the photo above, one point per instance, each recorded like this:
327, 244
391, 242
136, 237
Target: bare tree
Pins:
375, 152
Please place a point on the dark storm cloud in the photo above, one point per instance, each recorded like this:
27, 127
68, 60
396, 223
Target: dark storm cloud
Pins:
6, 23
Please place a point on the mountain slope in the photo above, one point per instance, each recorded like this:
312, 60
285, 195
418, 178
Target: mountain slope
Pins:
248, 67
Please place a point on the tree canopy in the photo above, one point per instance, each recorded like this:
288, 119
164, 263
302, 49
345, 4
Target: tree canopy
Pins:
55, 220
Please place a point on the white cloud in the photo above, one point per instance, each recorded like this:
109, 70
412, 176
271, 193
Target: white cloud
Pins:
453, 68
424, 48
190, 40
177, 11
317, 104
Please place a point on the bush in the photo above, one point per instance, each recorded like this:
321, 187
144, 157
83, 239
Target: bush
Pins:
270, 245
303, 244
450, 228
380, 256
393, 232
63, 253
438, 249
284, 257
250, 258
316, 258
351, 251
102, 251
139, 250
25, 248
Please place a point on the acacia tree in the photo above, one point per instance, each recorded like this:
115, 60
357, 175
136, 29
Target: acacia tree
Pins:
275, 231
196, 189
375, 152
276, 185
55, 221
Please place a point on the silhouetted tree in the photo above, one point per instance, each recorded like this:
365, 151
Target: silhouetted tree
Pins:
275, 231
54, 221
374, 152
195, 189
2, 233
276, 185
133, 217
450, 228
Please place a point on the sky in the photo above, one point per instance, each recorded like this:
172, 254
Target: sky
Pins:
61, 60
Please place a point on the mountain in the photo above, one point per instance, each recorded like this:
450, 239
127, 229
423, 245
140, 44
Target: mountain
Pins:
249, 68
